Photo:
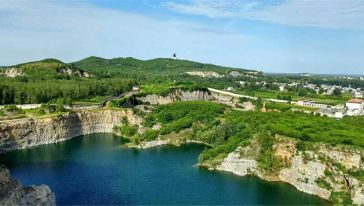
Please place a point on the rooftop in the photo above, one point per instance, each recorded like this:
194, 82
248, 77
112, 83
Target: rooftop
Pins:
358, 101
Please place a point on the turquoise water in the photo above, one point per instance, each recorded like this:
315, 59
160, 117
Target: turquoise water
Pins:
98, 169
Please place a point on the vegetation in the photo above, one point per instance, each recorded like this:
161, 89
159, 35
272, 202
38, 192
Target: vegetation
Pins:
92, 80
181, 115
47, 80
229, 129
154, 67
267, 161
126, 129
164, 89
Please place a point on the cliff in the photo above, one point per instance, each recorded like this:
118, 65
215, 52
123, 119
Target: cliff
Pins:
23, 133
323, 170
12, 192
180, 95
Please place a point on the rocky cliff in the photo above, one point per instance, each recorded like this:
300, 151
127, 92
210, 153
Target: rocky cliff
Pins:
332, 173
23, 133
180, 95
177, 95
12, 192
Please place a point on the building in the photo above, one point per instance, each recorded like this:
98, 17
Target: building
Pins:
357, 94
355, 104
339, 114
354, 107
325, 112
230, 89
310, 103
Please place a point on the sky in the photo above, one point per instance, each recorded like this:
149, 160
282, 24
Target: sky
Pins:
285, 36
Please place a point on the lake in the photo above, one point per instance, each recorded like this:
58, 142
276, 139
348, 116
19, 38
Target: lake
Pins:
99, 169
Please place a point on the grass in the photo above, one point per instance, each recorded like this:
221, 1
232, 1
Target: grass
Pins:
166, 88
322, 99
91, 101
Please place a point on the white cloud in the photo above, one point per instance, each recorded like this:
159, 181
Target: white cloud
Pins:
335, 14
70, 31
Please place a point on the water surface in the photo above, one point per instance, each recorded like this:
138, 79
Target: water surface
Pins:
97, 169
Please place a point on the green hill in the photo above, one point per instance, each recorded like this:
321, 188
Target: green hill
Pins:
158, 67
46, 69
51, 79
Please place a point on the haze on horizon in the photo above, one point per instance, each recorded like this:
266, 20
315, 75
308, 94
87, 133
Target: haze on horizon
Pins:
284, 36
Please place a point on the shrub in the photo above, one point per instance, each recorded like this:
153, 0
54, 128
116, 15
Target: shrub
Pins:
150, 134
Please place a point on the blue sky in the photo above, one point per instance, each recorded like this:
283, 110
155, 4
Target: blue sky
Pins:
316, 36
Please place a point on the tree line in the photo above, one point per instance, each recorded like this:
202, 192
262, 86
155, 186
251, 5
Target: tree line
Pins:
13, 91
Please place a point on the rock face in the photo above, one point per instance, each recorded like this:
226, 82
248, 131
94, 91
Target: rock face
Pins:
321, 171
206, 74
74, 72
13, 72
194, 95
12, 192
176, 96
239, 166
23, 133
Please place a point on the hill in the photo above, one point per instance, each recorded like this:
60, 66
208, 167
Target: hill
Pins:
158, 67
44, 69
49, 80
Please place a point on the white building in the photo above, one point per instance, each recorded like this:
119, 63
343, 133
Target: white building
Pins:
325, 112
357, 94
311, 103
339, 114
230, 89
354, 107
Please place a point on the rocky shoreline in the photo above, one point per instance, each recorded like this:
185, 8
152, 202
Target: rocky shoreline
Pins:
303, 170
312, 171
13, 193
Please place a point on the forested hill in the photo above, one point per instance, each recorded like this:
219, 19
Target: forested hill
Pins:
156, 67
52, 80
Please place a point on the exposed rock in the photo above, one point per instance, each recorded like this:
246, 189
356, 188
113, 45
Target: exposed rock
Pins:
73, 72
235, 74
305, 170
357, 192
12, 192
350, 160
157, 99
207, 74
13, 72
176, 96
216, 96
150, 144
23, 133
304, 175
237, 165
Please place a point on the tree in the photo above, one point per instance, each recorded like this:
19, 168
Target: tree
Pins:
59, 105
259, 103
337, 92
